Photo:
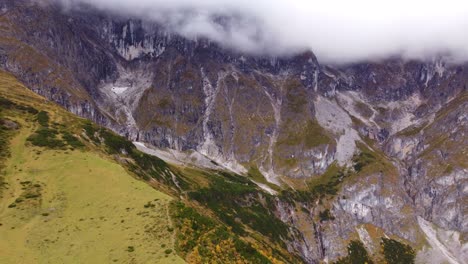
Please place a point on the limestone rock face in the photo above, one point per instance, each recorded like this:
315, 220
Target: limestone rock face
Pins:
291, 118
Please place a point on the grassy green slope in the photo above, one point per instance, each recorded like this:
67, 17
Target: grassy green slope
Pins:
74, 206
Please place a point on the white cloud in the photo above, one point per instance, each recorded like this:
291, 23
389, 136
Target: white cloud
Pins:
337, 31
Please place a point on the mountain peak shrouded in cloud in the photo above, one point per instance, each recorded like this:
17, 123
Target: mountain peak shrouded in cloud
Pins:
337, 31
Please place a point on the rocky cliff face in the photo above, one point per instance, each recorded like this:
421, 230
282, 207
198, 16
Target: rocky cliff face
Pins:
292, 119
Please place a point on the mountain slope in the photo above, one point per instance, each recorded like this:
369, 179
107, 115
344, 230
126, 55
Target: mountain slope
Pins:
63, 205
306, 159
69, 192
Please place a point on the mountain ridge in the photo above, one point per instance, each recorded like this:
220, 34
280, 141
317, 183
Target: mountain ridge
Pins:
290, 119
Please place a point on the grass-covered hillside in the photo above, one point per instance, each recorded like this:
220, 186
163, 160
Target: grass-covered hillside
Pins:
62, 201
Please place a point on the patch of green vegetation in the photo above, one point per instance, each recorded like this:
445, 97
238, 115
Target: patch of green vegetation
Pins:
7, 104
164, 103
362, 159
249, 253
326, 215
116, 144
315, 135
227, 197
46, 137
357, 254
71, 140
363, 109
210, 241
370, 161
130, 249
459, 100
7, 131
150, 166
290, 162
319, 188
144, 165
397, 253
326, 186
191, 224
5, 135
43, 118
255, 174
311, 135
149, 205
91, 131
295, 95
258, 177
448, 169
29, 196
32, 195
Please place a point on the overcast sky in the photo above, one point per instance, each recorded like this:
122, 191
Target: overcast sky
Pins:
337, 31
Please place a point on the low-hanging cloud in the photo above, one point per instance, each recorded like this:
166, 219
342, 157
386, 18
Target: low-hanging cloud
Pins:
337, 31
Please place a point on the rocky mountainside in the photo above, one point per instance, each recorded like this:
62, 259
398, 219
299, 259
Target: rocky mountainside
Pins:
349, 153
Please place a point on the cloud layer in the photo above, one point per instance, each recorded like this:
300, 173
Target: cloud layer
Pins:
337, 31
